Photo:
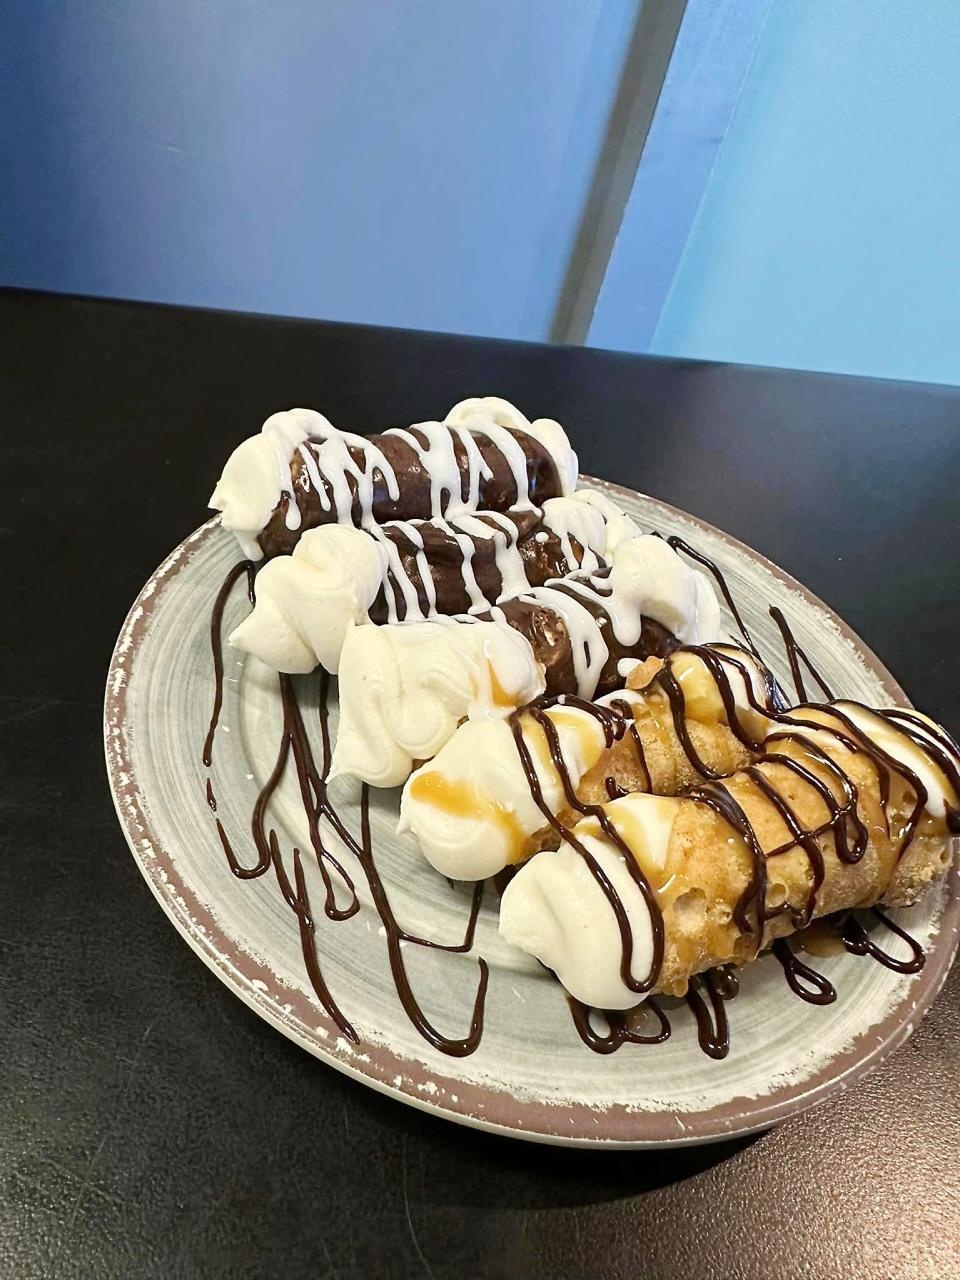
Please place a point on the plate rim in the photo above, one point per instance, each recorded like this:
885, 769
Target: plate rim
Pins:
614, 1127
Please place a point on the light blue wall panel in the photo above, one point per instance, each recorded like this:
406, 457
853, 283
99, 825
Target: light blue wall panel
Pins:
827, 237
406, 162
702, 87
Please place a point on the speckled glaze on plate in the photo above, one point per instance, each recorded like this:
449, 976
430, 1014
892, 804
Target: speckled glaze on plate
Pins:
531, 1076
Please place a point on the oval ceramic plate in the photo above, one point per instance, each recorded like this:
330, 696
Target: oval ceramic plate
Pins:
531, 1075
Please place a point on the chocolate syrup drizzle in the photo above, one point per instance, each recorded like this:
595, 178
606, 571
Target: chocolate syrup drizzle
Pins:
813, 987
803, 980
859, 943
795, 655
713, 1029
622, 1028
317, 807
708, 993
216, 645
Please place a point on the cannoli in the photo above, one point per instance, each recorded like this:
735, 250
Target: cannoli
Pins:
301, 472
413, 570
845, 807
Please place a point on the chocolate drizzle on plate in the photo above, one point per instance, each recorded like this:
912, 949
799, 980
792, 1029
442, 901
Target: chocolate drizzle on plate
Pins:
648, 1023
795, 655
803, 980
857, 941
216, 646
320, 812
677, 544
713, 1029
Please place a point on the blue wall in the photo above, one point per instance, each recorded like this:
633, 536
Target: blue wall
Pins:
827, 237
711, 59
424, 163
408, 162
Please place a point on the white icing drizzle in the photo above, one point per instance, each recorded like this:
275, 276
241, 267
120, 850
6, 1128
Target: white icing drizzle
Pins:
468, 546
496, 419
548, 433
586, 523
587, 645
467, 530
516, 460
507, 555
310, 464
477, 468
439, 462
334, 462
438, 459
413, 534
397, 574
674, 595
342, 466
284, 431
625, 618
476, 526
619, 527
510, 566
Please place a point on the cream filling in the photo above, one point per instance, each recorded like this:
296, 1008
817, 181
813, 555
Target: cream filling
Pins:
405, 688
555, 909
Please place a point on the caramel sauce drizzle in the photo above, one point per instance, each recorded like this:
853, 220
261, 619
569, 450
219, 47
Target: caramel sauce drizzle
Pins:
460, 798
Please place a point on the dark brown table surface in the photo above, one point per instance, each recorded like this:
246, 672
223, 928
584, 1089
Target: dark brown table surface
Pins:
150, 1124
